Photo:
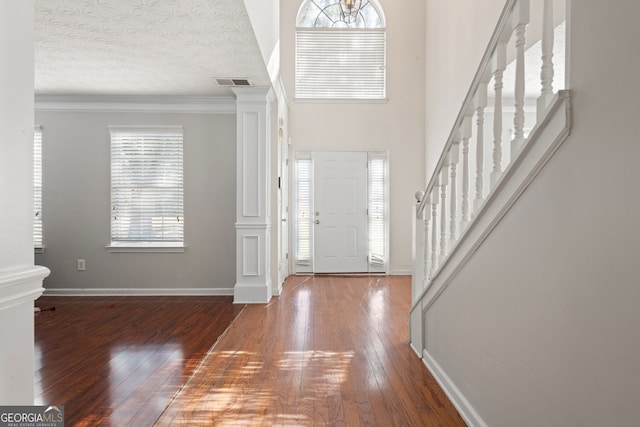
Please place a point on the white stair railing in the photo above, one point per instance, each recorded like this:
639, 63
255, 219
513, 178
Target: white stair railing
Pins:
454, 197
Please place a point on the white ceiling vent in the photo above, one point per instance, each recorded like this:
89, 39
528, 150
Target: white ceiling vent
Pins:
233, 82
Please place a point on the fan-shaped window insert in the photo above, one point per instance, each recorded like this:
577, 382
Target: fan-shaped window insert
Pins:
340, 50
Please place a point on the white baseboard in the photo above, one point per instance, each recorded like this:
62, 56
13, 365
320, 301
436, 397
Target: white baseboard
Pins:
105, 292
400, 272
464, 407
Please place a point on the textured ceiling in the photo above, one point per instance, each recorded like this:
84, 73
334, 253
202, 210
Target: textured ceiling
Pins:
144, 47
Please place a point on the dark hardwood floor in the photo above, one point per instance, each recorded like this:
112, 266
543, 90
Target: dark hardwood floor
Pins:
330, 351
118, 361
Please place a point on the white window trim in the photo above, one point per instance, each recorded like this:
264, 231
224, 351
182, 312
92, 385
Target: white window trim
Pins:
150, 247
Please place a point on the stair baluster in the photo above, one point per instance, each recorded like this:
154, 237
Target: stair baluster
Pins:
546, 72
453, 165
520, 20
465, 132
498, 67
444, 180
481, 104
434, 231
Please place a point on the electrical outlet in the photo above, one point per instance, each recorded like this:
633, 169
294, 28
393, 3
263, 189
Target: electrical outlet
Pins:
81, 265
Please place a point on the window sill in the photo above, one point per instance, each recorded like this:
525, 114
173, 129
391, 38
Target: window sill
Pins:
146, 248
341, 100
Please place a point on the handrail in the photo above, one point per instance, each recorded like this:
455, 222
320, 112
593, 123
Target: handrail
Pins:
481, 74
454, 202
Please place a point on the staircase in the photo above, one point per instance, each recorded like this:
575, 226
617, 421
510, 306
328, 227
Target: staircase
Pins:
514, 117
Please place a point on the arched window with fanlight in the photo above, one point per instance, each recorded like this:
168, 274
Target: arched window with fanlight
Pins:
340, 50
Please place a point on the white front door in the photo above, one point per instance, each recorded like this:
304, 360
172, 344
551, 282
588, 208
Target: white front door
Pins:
340, 212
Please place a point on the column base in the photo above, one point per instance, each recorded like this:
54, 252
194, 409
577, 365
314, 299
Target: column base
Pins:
252, 293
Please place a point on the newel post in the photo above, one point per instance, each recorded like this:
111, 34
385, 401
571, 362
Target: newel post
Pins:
253, 200
419, 249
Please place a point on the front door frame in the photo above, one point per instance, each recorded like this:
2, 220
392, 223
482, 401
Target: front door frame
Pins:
306, 267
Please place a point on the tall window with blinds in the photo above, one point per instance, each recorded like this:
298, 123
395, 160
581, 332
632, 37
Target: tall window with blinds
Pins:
147, 206
37, 188
377, 208
340, 55
303, 211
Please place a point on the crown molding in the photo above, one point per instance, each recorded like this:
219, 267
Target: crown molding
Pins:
136, 104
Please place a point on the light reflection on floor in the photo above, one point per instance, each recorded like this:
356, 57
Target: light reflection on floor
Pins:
37, 386
223, 403
132, 363
322, 354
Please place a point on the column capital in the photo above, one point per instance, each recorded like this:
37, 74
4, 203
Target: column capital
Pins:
253, 94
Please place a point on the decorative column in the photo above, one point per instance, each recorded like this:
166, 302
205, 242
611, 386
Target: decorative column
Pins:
20, 279
253, 200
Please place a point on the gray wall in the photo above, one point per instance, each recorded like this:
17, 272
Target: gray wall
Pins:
540, 328
76, 198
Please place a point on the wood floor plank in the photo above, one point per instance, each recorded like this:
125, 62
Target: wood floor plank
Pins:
120, 360
329, 351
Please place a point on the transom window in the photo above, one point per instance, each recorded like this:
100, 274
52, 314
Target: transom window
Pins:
340, 55
330, 14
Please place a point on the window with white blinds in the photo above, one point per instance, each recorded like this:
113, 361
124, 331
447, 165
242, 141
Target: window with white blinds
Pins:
147, 206
303, 211
340, 63
37, 187
377, 216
